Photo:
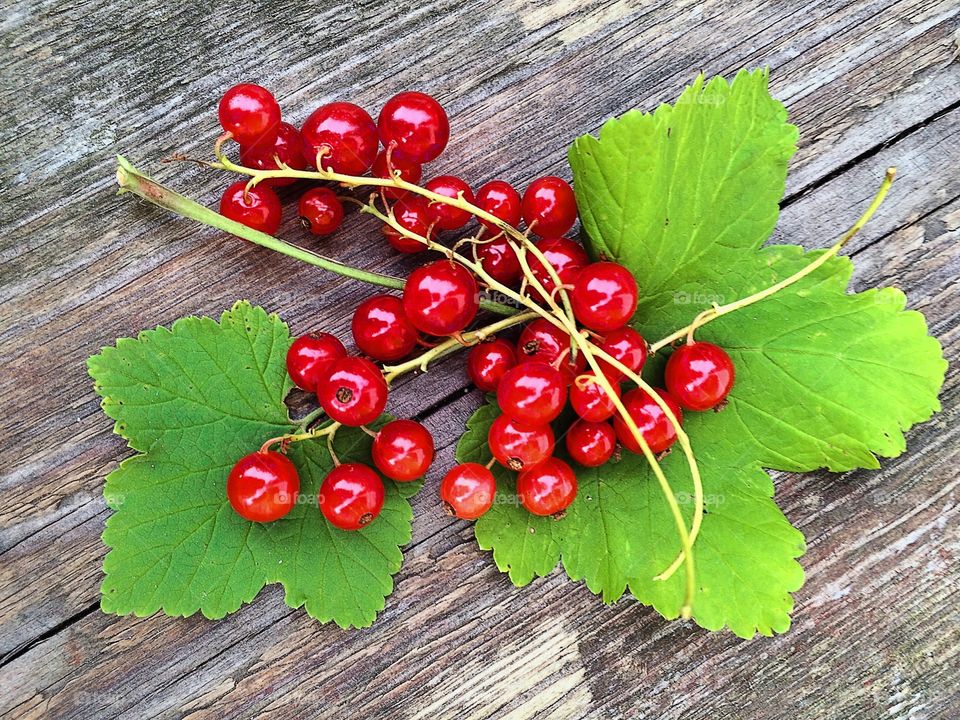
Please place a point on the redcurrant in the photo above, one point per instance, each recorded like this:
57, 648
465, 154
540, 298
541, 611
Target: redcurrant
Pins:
533, 393
381, 329
354, 393
346, 133
321, 212
403, 450
441, 298
263, 486
499, 260
500, 200
549, 206
416, 123
250, 114
287, 148
488, 362
310, 358
591, 444
590, 401
547, 488
543, 341
409, 170
518, 446
699, 375
567, 257
626, 345
258, 208
468, 490
351, 496
604, 296
448, 217
413, 214
651, 420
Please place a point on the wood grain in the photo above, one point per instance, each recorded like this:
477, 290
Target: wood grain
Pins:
869, 84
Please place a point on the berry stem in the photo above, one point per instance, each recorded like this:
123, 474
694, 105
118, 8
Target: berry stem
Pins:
719, 310
285, 440
309, 419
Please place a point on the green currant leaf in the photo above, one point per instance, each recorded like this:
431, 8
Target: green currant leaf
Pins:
192, 400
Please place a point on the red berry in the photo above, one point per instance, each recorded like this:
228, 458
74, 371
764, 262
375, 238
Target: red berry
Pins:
500, 200
310, 358
381, 329
351, 496
288, 148
549, 206
416, 123
626, 345
258, 208
412, 214
604, 296
403, 450
567, 257
499, 260
591, 443
441, 298
354, 393
488, 362
448, 217
651, 420
533, 393
251, 114
518, 446
548, 488
590, 401
348, 135
543, 341
699, 375
263, 486
409, 170
321, 212
467, 490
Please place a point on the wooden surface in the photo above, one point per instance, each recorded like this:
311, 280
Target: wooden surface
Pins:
870, 84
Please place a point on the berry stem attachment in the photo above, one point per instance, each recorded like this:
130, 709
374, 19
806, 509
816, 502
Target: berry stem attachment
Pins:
720, 310
286, 440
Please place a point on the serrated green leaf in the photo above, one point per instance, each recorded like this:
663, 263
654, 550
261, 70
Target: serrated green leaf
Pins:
192, 400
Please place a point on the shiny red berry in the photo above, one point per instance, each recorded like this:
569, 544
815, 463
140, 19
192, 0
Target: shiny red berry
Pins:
351, 496
591, 444
543, 341
251, 114
626, 345
699, 375
413, 214
346, 133
549, 206
409, 170
499, 260
567, 257
533, 393
604, 296
310, 358
258, 208
381, 329
354, 393
590, 401
403, 450
500, 200
288, 148
448, 217
488, 362
321, 212
547, 488
518, 446
263, 486
468, 490
441, 298
651, 420
416, 123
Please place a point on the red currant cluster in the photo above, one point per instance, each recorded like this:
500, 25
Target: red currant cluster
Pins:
577, 304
